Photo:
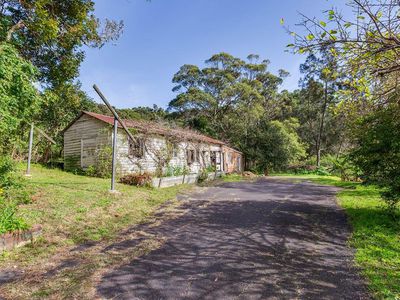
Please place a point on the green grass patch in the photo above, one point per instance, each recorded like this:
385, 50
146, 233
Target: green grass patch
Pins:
232, 178
75, 209
376, 235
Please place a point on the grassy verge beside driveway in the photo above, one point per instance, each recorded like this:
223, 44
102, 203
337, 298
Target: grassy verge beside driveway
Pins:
75, 211
376, 235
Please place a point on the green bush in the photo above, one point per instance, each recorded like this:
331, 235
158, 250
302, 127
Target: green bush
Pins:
12, 192
203, 176
322, 171
19, 98
277, 145
343, 167
12, 185
175, 171
377, 152
211, 169
103, 165
9, 221
144, 179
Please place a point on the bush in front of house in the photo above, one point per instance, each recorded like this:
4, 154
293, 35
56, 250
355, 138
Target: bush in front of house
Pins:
203, 176
144, 179
102, 167
171, 171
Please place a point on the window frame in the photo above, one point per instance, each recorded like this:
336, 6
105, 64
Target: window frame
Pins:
136, 149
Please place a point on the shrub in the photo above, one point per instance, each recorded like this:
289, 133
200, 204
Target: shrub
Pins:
144, 179
211, 169
11, 183
343, 167
203, 176
19, 98
322, 171
7, 168
308, 170
175, 171
169, 172
276, 145
103, 166
8, 220
377, 152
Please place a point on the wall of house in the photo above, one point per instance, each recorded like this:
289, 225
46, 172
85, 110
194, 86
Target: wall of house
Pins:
154, 145
81, 141
233, 161
86, 136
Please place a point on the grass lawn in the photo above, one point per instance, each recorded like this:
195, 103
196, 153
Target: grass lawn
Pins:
75, 210
232, 178
376, 236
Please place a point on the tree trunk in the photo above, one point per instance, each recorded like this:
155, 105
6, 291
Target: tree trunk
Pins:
321, 125
13, 29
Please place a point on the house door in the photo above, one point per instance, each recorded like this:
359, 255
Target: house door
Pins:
239, 164
88, 152
218, 159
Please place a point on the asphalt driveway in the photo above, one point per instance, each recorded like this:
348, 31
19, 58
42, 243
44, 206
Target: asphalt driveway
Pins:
271, 239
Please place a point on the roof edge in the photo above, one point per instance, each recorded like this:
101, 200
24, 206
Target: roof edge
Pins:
99, 117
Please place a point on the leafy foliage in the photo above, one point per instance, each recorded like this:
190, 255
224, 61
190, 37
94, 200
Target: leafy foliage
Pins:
19, 99
103, 163
144, 179
50, 34
365, 48
12, 193
321, 127
176, 171
365, 45
276, 145
9, 221
212, 99
378, 151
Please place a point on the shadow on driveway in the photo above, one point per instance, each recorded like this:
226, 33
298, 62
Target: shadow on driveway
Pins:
271, 239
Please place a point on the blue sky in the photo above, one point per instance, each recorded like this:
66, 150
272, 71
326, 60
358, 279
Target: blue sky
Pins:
162, 35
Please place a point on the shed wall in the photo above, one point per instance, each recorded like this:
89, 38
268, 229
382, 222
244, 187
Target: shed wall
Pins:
81, 141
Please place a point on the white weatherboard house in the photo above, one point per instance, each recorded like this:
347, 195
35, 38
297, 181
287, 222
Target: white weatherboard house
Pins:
155, 149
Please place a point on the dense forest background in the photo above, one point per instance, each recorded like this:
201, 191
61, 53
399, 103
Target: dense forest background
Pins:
342, 119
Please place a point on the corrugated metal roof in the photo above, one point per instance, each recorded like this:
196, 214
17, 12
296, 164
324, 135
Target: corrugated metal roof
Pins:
158, 129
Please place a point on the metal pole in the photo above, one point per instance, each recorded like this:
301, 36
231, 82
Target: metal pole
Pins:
113, 111
114, 154
28, 168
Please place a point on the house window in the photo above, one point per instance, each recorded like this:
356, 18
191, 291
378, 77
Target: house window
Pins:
175, 150
213, 158
136, 147
191, 156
